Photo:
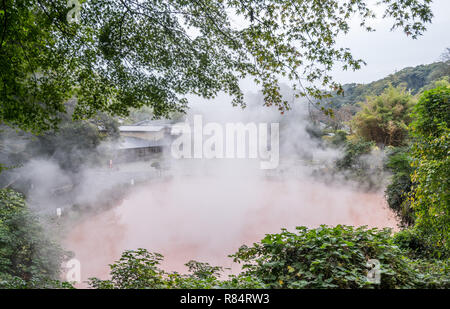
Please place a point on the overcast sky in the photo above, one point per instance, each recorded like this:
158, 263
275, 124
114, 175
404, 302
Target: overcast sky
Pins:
386, 51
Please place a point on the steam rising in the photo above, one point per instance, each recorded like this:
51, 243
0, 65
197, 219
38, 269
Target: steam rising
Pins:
206, 209
207, 218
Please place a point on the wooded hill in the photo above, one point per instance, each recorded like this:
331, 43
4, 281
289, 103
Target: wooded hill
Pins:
414, 79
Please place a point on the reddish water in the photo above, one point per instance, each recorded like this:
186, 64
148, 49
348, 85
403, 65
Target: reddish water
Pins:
207, 218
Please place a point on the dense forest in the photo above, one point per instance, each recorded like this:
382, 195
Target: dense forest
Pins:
413, 79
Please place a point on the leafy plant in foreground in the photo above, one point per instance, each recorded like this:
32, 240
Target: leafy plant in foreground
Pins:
28, 257
326, 257
430, 198
139, 269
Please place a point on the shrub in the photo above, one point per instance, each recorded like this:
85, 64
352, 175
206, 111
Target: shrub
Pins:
139, 269
326, 257
352, 153
432, 274
384, 119
412, 244
28, 257
399, 163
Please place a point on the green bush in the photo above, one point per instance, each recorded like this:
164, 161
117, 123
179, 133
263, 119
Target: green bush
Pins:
326, 257
361, 162
413, 244
430, 198
431, 113
384, 119
432, 274
139, 269
399, 163
338, 139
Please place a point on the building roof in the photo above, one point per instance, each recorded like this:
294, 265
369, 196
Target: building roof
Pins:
159, 122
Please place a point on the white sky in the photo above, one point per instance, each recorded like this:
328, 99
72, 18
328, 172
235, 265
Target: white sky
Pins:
388, 51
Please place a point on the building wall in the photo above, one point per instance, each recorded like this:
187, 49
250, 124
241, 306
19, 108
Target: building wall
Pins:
151, 136
137, 154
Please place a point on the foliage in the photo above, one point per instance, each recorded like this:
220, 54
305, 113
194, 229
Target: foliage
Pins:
384, 119
124, 54
12, 282
156, 165
139, 270
28, 257
326, 257
443, 82
353, 151
72, 145
430, 198
109, 126
414, 79
446, 55
314, 131
137, 115
432, 274
362, 162
339, 118
134, 270
399, 163
414, 246
431, 114
12, 144
338, 139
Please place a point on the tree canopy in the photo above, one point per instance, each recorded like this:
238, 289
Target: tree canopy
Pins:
123, 54
430, 198
384, 119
